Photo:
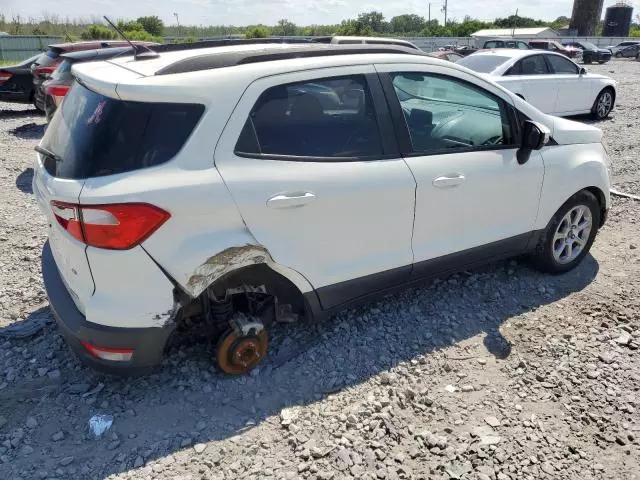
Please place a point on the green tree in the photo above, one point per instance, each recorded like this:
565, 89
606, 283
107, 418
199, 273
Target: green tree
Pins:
257, 31
286, 28
373, 21
130, 26
98, 32
38, 31
153, 25
516, 21
143, 36
407, 23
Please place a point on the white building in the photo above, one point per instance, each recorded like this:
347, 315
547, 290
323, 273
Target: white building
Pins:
524, 33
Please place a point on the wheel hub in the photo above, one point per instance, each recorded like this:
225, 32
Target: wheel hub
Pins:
238, 353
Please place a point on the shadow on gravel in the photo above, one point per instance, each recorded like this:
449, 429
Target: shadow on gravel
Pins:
186, 401
23, 181
29, 131
7, 114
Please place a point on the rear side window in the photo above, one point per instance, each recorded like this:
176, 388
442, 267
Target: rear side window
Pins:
533, 65
493, 45
96, 135
331, 118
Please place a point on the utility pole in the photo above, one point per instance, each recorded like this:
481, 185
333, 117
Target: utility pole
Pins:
444, 9
515, 24
429, 12
177, 21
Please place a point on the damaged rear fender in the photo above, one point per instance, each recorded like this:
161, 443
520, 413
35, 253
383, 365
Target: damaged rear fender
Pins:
235, 258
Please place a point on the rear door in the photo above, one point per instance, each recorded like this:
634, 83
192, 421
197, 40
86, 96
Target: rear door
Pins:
311, 161
538, 85
574, 90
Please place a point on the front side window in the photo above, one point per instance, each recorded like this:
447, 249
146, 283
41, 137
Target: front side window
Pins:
491, 45
330, 118
562, 65
523, 46
446, 115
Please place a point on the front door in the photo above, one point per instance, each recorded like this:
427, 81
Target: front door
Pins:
309, 159
472, 193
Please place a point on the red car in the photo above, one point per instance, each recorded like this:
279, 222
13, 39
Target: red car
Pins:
48, 61
447, 55
557, 47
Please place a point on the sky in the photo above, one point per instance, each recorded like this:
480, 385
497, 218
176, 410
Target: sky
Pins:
301, 12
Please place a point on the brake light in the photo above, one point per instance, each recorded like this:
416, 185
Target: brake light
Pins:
57, 90
45, 71
112, 226
112, 354
4, 76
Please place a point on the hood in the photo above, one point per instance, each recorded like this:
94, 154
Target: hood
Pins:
568, 132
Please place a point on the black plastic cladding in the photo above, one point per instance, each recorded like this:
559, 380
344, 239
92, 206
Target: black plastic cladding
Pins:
229, 59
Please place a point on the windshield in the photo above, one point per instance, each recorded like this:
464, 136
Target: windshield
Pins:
589, 46
483, 63
94, 135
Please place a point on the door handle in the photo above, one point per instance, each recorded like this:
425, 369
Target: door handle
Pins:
290, 200
449, 181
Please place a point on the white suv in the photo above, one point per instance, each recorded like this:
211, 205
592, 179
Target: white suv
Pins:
238, 185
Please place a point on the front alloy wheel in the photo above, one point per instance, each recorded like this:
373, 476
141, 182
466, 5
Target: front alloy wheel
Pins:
569, 235
603, 104
572, 234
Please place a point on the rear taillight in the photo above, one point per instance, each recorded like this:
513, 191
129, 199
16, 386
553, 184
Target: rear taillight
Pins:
111, 354
57, 90
113, 226
4, 76
45, 71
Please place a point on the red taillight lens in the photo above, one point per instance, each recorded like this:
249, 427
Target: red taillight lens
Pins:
57, 90
45, 71
112, 354
113, 226
4, 76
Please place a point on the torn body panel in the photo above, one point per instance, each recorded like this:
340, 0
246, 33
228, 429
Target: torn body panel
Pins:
225, 262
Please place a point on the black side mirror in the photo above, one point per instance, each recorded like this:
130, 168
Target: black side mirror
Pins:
534, 137
583, 71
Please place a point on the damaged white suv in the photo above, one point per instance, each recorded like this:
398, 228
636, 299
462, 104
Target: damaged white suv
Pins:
237, 184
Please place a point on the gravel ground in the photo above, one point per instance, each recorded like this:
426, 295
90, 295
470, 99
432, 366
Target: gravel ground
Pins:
497, 373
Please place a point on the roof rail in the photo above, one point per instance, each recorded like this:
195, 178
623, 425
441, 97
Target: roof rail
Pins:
210, 61
225, 42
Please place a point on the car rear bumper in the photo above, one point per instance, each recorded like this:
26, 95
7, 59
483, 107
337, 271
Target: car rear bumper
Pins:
14, 96
148, 344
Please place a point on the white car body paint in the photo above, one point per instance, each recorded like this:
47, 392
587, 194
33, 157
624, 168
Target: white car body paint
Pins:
553, 93
360, 222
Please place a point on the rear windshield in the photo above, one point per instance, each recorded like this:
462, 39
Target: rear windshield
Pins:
63, 69
482, 63
94, 135
48, 57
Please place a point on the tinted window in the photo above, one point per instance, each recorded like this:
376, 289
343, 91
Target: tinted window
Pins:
325, 118
96, 135
483, 63
445, 115
522, 46
493, 45
533, 65
562, 65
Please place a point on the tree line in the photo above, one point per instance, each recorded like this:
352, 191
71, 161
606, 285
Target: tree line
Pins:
152, 28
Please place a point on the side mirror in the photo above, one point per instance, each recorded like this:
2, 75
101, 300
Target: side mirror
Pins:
534, 137
583, 71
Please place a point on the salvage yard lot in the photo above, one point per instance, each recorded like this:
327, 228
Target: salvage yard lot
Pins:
497, 373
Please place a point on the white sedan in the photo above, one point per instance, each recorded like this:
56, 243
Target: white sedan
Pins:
549, 81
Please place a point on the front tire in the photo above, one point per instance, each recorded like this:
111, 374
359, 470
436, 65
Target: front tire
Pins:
569, 235
603, 105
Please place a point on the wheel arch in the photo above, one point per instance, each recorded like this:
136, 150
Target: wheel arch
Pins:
602, 201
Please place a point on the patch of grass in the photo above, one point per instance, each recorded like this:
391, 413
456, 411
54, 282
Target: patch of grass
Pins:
5, 63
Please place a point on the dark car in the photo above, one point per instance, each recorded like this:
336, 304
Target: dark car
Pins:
590, 52
48, 61
61, 79
506, 43
632, 51
553, 46
16, 84
465, 50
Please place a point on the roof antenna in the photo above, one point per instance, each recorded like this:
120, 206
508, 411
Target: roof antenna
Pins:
138, 49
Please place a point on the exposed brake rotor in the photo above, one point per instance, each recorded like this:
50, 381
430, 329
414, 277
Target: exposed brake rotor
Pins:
238, 353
